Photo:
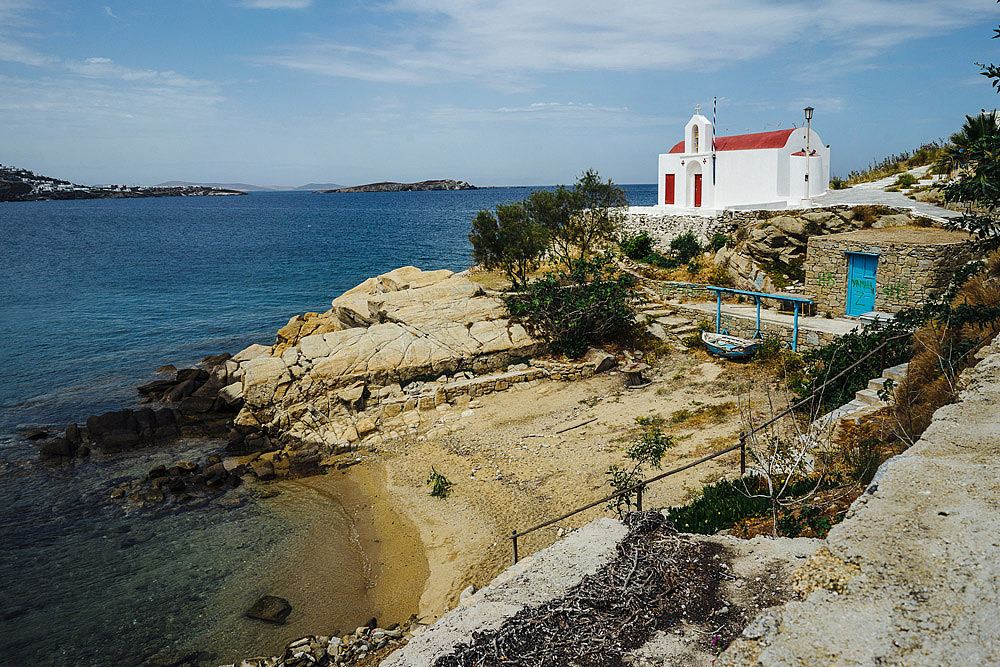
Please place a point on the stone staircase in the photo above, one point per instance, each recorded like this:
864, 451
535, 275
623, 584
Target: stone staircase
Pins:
662, 322
866, 400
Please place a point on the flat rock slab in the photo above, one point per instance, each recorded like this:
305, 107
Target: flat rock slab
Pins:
544, 576
912, 576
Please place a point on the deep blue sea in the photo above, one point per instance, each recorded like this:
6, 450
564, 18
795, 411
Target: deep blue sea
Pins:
95, 295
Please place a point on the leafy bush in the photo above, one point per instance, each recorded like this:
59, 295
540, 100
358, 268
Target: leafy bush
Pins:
718, 240
905, 180
720, 277
440, 485
685, 247
637, 247
576, 314
694, 266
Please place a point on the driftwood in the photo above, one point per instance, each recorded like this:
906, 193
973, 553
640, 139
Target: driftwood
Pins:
659, 577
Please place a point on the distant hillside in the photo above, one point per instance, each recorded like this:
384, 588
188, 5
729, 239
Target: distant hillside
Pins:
387, 186
246, 187
17, 184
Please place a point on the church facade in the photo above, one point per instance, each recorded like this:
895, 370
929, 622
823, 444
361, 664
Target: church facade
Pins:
765, 169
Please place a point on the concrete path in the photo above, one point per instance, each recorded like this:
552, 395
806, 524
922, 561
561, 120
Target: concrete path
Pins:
912, 576
875, 193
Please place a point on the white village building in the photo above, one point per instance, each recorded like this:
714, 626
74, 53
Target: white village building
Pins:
765, 169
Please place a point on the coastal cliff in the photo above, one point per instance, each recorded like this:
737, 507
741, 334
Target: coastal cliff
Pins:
387, 186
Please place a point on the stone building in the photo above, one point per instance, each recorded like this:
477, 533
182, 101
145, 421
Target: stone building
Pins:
882, 270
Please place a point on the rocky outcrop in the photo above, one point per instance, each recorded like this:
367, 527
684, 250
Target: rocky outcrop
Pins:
388, 186
390, 330
769, 250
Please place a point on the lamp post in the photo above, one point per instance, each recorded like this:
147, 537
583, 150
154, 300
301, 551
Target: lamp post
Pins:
809, 116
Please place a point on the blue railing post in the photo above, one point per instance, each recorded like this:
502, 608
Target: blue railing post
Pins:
795, 329
718, 310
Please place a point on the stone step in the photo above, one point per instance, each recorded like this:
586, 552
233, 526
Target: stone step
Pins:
868, 397
658, 312
877, 384
673, 321
897, 373
684, 330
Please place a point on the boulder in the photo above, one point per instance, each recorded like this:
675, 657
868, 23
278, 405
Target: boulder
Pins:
73, 434
56, 448
788, 225
37, 434
255, 351
270, 608
196, 405
157, 387
114, 431
261, 378
600, 360
197, 374
264, 470
181, 391
352, 395
232, 394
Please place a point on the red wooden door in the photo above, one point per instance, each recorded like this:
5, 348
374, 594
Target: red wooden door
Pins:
697, 189
668, 189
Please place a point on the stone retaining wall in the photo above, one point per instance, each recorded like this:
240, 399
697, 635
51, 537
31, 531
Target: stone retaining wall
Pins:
665, 228
745, 327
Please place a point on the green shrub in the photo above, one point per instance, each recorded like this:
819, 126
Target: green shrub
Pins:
718, 240
685, 247
576, 314
637, 247
905, 180
694, 266
440, 485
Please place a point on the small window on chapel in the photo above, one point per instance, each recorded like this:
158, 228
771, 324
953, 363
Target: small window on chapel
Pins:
694, 138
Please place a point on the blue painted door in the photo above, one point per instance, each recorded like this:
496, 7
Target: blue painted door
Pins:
860, 283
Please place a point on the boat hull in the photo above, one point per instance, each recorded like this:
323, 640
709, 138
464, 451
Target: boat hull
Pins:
729, 347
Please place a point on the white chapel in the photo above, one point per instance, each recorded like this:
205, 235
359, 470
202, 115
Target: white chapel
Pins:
779, 169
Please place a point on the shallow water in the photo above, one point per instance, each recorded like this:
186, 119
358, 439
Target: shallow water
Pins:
95, 296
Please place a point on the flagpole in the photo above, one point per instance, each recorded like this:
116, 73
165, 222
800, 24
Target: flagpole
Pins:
715, 105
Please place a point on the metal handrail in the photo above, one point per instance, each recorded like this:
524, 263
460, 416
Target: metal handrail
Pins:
638, 487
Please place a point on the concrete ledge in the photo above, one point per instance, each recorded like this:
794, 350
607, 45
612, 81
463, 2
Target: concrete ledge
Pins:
546, 575
918, 556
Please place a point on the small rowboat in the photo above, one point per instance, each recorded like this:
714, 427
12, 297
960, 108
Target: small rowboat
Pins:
730, 347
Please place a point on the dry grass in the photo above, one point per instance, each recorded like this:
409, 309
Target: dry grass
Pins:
705, 414
942, 351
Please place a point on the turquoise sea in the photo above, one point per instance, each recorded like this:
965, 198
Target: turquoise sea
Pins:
97, 294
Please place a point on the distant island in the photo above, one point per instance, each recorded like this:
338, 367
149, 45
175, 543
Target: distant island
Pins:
22, 185
386, 186
247, 187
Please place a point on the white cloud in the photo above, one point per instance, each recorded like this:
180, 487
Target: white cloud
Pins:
107, 10
276, 4
507, 43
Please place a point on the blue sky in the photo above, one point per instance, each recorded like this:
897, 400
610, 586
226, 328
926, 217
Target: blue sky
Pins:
507, 92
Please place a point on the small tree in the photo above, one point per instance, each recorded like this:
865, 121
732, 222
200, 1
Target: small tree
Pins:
510, 240
580, 218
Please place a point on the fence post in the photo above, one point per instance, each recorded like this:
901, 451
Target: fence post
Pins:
638, 498
743, 455
513, 537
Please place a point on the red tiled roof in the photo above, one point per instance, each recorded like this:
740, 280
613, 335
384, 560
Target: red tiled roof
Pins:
743, 142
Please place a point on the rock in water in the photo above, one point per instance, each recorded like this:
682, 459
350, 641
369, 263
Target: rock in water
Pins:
270, 608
